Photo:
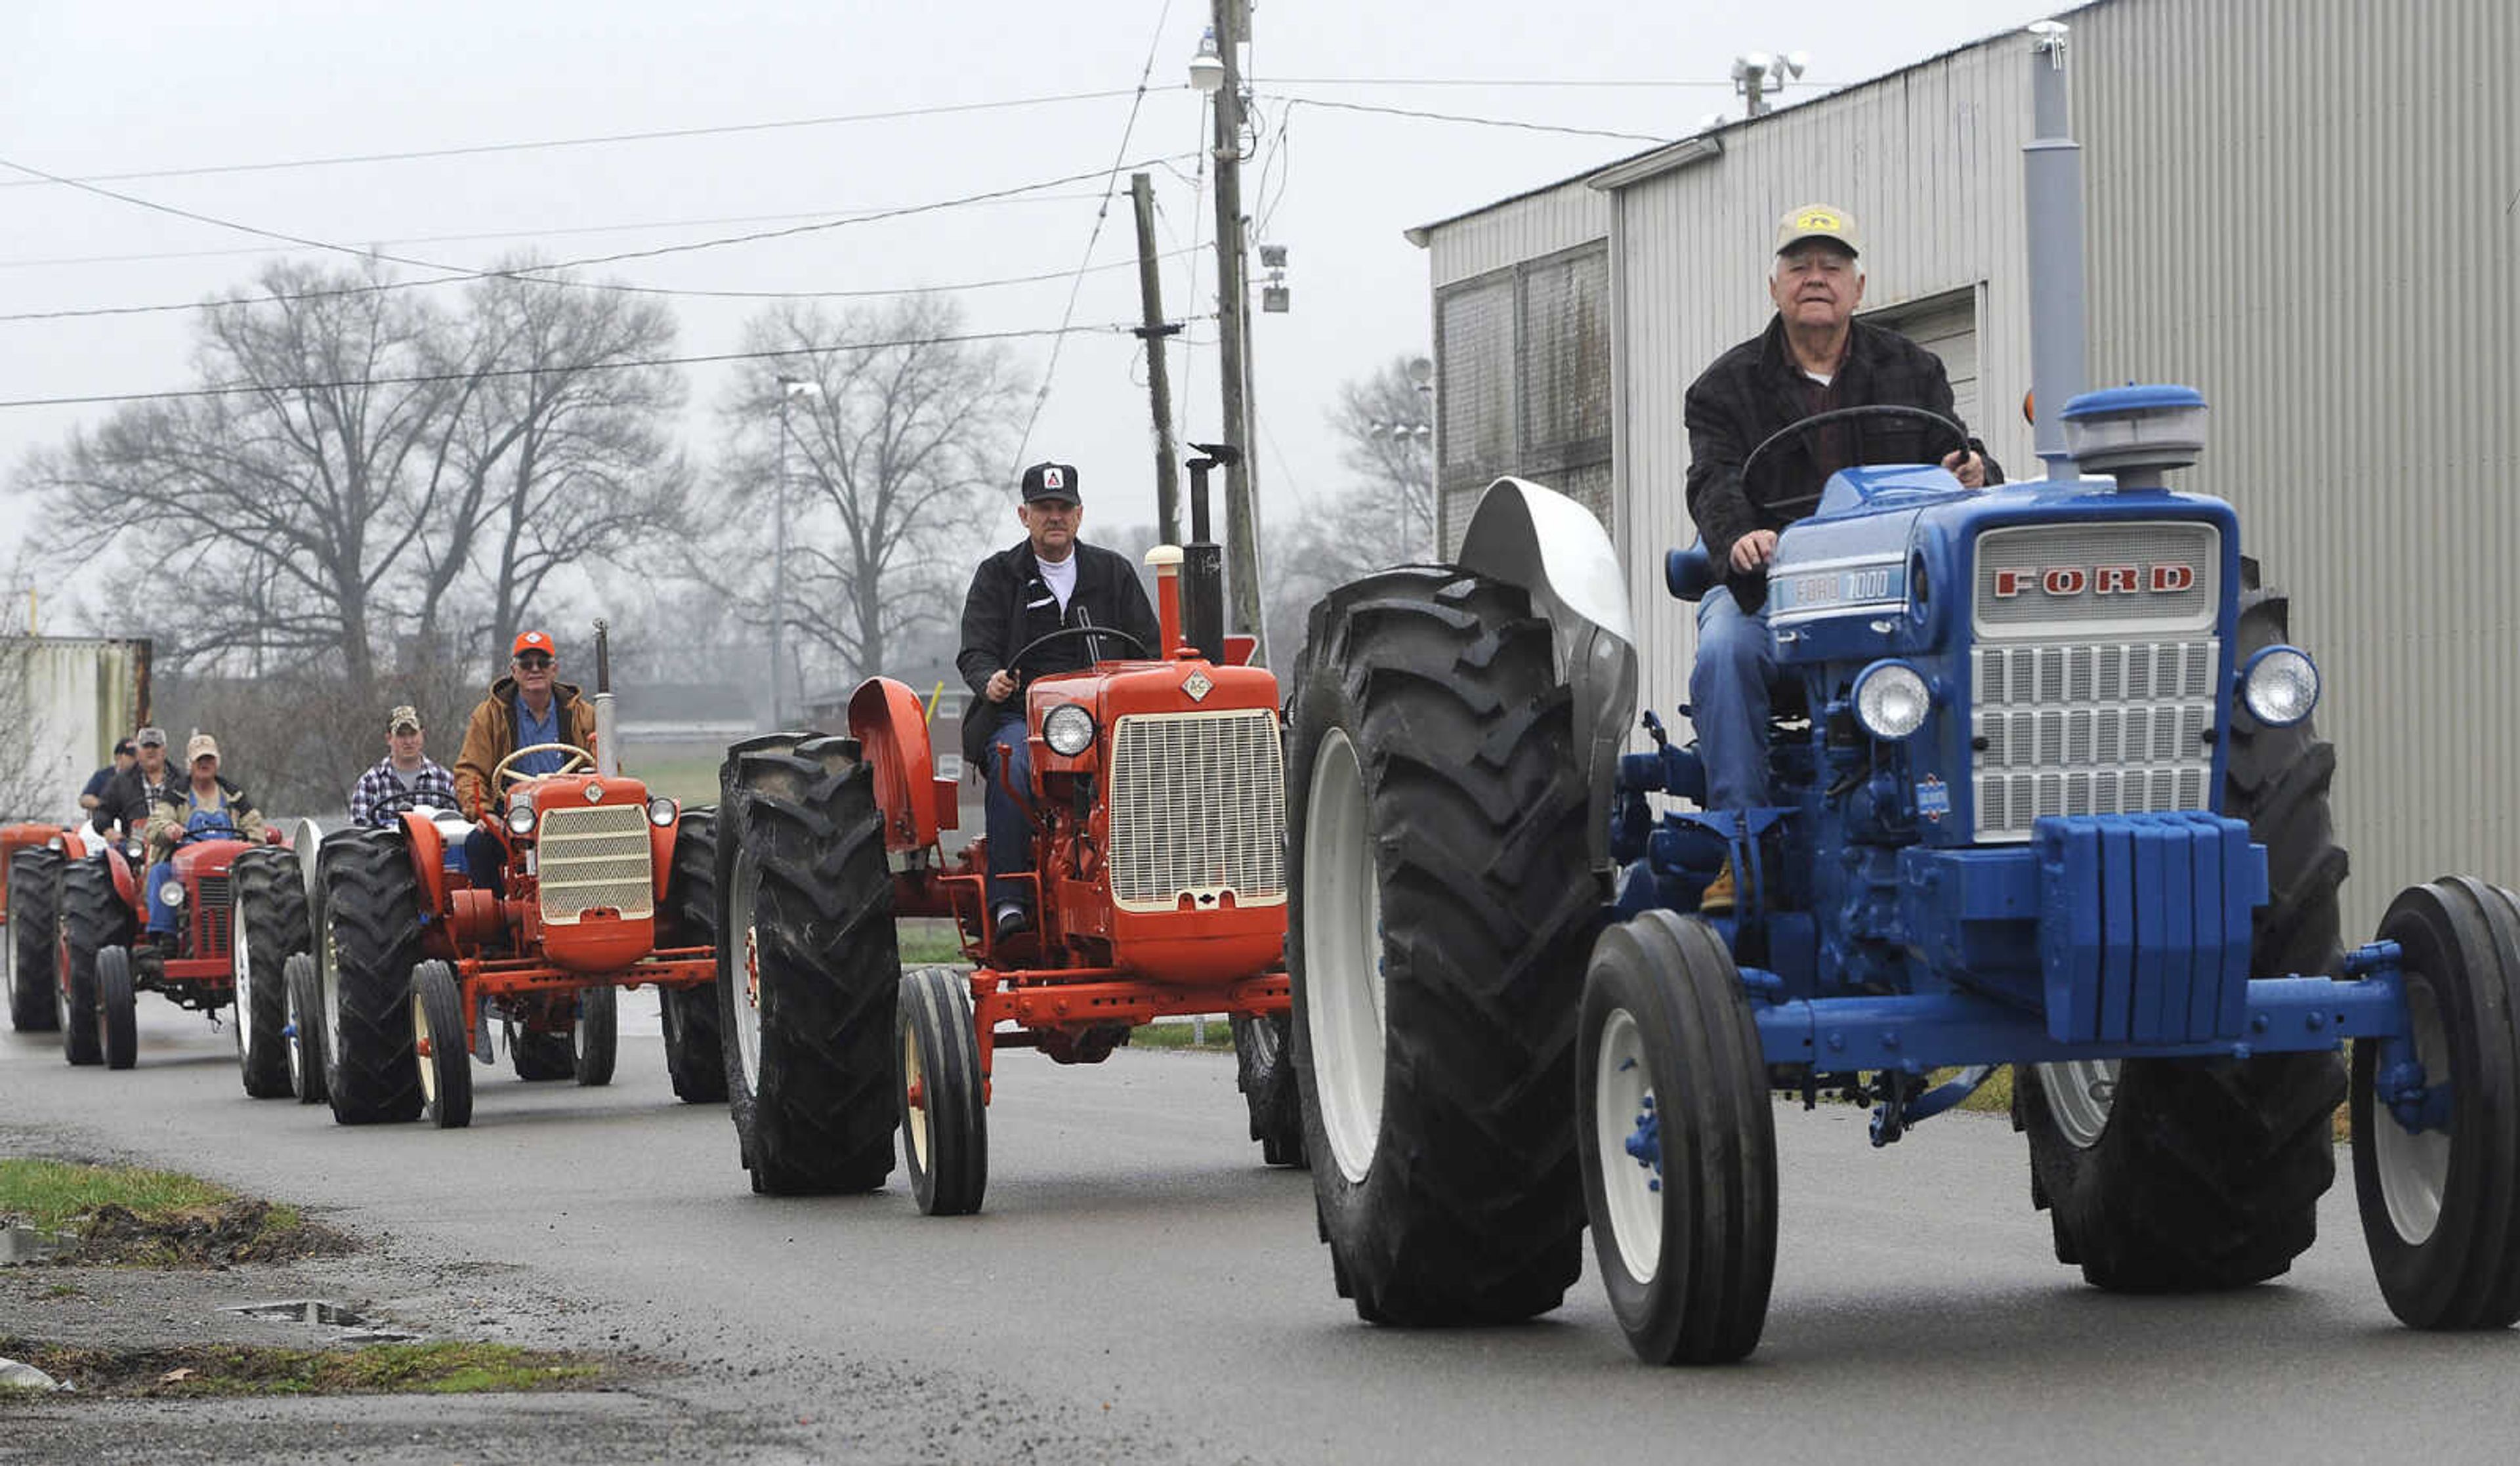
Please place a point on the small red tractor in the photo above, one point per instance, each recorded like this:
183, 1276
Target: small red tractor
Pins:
81, 909
600, 886
1160, 880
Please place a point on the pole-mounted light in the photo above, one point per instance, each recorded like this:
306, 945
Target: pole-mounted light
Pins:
1207, 69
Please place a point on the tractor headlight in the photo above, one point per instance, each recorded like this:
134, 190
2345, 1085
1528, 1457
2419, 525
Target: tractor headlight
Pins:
1068, 729
135, 850
521, 815
2280, 686
172, 894
661, 811
1891, 699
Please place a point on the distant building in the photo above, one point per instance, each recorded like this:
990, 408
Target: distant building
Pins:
2305, 212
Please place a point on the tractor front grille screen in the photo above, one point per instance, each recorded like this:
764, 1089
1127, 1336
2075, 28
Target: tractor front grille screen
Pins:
1198, 810
214, 909
2108, 728
595, 859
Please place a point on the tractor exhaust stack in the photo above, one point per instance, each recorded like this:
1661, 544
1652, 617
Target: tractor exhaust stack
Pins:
608, 743
1202, 570
2052, 190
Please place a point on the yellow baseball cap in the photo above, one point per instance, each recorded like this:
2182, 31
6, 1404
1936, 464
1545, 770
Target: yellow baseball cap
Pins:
1816, 221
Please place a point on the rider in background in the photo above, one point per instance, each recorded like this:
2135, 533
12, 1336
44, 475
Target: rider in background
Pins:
1813, 357
405, 777
204, 802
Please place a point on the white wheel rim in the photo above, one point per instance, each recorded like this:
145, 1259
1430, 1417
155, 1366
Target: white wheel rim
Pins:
421, 1043
913, 1115
329, 980
747, 993
241, 968
1622, 1097
1344, 999
2415, 1169
2080, 1096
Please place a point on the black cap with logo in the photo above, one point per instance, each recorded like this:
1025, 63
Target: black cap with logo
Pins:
1055, 481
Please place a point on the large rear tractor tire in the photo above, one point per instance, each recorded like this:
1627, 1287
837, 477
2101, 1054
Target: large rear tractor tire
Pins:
306, 1044
1443, 907
34, 903
944, 1115
2441, 1205
1264, 1070
2176, 1176
809, 971
1679, 1141
695, 1058
117, 1000
437, 1029
270, 927
596, 1038
93, 917
372, 911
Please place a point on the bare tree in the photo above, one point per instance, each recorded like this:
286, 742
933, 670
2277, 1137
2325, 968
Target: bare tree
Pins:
1383, 514
890, 469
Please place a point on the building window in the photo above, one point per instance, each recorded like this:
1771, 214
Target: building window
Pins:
1523, 361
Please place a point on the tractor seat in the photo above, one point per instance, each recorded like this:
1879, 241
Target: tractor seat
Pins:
1689, 572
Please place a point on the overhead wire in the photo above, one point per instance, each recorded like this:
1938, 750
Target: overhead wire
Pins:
422, 378
1101, 214
1435, 117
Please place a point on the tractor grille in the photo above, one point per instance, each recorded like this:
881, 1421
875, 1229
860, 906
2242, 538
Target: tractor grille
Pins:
1198, 809
586, 858
2092, 704
213, 914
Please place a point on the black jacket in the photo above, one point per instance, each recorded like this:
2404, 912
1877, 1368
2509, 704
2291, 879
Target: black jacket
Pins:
126, 798
1009, 607
1754, 389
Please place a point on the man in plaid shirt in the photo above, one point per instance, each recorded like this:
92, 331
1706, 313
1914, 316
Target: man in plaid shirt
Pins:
1813, 357
405, 770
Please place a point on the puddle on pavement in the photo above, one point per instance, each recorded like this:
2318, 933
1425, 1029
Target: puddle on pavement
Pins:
25, 1244
316, 1312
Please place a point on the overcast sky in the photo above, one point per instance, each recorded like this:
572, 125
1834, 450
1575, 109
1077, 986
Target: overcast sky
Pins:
89, 89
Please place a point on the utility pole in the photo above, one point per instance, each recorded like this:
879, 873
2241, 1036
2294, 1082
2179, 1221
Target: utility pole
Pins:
1159, 381
1241, 546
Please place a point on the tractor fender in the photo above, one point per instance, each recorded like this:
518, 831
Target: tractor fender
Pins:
890, 726
127, 877
1538, 539
428, 847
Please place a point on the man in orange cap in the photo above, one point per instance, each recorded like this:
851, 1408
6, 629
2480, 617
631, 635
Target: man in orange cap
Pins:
529, 705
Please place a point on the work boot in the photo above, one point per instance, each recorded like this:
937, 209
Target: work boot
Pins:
1721, 894
1012, 920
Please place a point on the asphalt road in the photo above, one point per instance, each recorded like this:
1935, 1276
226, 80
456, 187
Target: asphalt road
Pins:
1140, 1288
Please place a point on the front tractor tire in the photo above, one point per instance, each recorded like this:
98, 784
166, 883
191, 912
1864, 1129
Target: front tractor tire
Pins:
34, 906
595, 1038
2441, 1205
2178, 1176
270, 926
694, 1056
372, 913
117, 1018
1679, 1141
1264, 1070
808, 965
1444, 906
306, 1044
437, 1041
944, 1113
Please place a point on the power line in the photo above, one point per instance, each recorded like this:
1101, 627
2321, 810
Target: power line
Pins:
1128, 129
1500, 81
1403, 111
558, 232
422, 378
530, 274
480, 149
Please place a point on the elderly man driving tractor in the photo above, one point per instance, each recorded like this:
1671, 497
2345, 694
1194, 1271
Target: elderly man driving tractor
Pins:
531, 716
204, 804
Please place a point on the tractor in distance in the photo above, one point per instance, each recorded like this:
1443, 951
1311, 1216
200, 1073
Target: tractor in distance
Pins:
2050, 798
82, 907
1158, 863
600, 886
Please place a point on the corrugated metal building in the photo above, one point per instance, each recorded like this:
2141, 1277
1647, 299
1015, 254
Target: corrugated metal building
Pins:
2309, 210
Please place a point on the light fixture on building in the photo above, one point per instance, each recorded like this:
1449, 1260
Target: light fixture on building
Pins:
1757, 73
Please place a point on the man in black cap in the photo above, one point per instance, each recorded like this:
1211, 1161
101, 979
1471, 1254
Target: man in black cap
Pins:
1047, 582
124, 756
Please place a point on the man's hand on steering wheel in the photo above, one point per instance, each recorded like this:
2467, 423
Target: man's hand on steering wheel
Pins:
1965, 466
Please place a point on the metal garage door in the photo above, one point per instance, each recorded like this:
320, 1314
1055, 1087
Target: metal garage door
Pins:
1945, 325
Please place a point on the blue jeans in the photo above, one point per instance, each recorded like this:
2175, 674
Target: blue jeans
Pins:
1010, 821
1727, 698
162, 916
486, 859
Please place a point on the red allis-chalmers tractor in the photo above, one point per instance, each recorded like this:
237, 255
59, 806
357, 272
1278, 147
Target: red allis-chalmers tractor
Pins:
80, 907
602, 887
1158, 868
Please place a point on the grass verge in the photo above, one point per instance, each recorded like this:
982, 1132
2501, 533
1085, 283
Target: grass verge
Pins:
202, 1371
133, 1216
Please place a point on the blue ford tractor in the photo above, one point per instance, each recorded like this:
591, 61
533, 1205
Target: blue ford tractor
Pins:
2049, 798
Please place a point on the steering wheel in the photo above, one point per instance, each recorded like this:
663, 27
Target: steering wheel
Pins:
400, 800
1958, 435
220, 832
1040, 642
503, 772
